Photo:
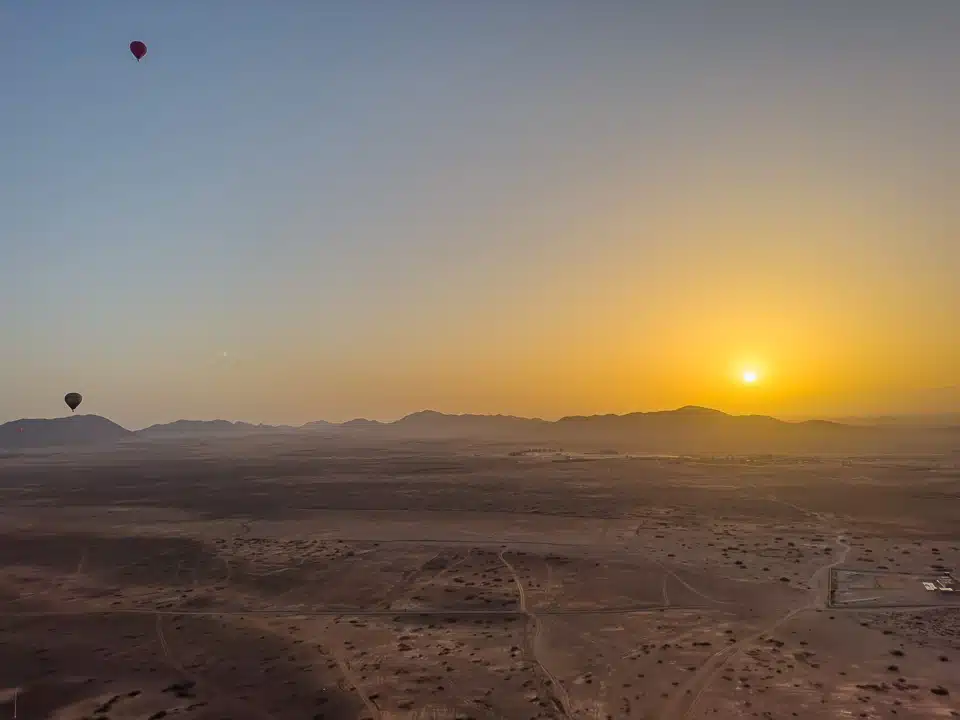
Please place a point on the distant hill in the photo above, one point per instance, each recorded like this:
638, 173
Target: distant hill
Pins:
206, 427
72, 430
436, 424
689, 429
697, 429
362, 423
926, 420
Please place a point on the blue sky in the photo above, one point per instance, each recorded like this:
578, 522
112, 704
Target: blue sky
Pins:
302, 210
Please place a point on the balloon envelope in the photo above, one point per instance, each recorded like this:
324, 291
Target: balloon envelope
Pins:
138, 49
73, 400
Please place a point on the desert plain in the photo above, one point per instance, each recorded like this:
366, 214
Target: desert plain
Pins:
298, 577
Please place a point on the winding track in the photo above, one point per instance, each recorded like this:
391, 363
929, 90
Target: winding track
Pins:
697, 685
681, 706
354, 681
684, 701
556, 687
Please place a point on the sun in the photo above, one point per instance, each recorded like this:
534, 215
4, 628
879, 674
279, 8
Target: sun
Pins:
750, 376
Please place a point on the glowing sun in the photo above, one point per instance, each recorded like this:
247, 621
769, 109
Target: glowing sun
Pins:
750, 376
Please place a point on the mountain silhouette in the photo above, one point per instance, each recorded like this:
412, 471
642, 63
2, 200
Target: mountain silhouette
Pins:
363, 423
927, 420
205, 427
435, 424
689, 429
72, 430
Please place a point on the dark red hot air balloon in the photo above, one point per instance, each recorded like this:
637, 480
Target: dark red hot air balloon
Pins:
73, 400
138, 49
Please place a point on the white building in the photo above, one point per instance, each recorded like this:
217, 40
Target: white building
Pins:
944, 583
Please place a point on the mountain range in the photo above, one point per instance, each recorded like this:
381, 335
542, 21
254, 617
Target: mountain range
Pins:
688, 429
72, 430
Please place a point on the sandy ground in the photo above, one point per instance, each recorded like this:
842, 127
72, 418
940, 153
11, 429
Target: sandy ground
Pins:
299, 578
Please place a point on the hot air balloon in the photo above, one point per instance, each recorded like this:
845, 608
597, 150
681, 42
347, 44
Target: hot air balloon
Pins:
73, 400
138, 49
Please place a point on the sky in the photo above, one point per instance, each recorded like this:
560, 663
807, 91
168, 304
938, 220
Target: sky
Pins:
325, 210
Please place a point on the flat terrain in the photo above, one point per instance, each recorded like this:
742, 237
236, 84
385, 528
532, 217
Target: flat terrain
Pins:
298, 577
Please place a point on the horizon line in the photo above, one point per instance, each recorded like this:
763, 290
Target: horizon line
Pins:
788, 418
